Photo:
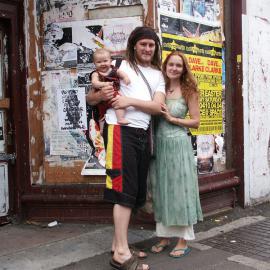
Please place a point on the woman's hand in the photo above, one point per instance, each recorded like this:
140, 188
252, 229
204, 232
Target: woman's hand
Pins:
165, 112
120, 102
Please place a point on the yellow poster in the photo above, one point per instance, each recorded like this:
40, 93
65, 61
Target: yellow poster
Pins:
205, 60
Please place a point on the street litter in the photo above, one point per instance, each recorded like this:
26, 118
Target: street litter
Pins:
232, 241
53, 224
30, 222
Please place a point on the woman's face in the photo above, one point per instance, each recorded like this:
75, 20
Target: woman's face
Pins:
174, 67
144, 51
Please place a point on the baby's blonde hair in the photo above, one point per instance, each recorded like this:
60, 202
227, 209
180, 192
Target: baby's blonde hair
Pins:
101, 51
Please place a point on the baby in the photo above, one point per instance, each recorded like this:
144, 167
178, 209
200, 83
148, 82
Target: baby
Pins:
106, 72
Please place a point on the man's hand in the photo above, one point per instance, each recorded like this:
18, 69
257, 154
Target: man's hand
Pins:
106, 92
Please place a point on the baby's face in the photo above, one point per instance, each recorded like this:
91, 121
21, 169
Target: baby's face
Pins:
102, 62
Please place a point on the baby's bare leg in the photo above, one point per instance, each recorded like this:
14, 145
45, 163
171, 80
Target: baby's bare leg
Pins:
120, 115
101, 126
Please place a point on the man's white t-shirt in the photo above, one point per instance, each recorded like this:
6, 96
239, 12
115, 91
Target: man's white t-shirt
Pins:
139, 90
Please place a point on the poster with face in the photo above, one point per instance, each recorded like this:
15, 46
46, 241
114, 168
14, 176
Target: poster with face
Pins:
203, 9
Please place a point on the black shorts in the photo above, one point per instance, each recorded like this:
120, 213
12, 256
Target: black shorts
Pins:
127, 162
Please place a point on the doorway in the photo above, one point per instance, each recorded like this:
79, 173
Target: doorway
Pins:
7, 145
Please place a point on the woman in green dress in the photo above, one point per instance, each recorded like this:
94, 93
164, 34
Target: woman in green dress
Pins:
173, 172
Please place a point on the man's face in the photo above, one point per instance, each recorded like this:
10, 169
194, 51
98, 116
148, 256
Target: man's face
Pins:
144, 51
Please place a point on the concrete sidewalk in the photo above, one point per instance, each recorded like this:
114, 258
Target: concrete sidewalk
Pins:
83, 246
35, 247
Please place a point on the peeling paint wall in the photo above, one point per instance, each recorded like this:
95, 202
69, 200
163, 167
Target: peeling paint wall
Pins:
38, 14
256, 95
34, 90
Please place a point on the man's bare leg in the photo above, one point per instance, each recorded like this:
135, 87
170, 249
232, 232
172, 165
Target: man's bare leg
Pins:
121, 217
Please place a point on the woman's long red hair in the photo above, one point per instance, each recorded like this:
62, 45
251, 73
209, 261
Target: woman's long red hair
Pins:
187, 81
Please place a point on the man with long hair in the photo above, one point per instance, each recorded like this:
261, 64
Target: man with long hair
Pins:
128, 148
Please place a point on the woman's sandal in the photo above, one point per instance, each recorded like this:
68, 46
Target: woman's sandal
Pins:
130, 264
159, 247
136, 252
186, 251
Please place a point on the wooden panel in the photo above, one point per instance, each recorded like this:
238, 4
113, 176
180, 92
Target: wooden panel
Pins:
4, 103
55, 201
69, 174
35, 101
87, 209
180, 5
67, 212
149, 18
221, 14
237, 97
216, 202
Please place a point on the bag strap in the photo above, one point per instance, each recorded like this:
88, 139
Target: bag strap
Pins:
146, 82
118, 62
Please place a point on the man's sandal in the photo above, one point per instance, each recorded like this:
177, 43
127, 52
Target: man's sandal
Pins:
130, 264
158, 248
186, 251
137, 252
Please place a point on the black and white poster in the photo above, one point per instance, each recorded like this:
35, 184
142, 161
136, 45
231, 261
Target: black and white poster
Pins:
2, 138
84, 78
4, 194
167, 5
72, 44
71, 126
69, 44
72, 109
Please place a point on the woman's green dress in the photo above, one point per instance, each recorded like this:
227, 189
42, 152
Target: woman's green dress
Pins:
173, 172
